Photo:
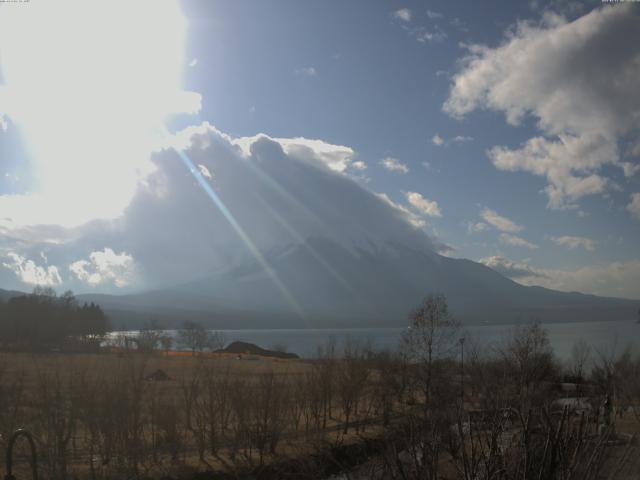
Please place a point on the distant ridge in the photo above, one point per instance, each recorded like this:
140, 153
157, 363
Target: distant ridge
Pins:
353, 287
7, 294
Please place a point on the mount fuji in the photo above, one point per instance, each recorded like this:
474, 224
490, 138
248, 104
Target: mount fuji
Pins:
335, 286
272, 233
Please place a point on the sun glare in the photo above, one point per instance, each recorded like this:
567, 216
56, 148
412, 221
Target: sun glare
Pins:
89, 85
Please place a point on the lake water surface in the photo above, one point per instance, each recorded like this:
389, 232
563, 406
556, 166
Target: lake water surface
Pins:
604, 337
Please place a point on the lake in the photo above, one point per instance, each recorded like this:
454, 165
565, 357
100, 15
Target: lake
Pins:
602, 336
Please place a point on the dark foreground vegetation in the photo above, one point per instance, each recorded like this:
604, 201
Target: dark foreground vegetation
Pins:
437, 408
43, 322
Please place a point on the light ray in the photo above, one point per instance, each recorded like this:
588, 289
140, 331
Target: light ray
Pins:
302, 241
275, 185
217, 201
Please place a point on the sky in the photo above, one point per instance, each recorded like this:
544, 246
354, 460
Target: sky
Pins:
508, 134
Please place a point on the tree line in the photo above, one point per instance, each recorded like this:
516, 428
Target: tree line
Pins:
44, 321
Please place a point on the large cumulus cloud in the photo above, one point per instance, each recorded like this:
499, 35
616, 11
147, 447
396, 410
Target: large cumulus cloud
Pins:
579, 81
278, 191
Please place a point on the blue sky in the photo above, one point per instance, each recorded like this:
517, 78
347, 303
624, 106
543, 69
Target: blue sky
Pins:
449, 92
378, 89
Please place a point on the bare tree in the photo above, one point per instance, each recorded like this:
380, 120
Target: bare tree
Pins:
193, 336
531, 363
417, 443
195, 409
580, 356
217, 403
325, 368
57, 411
626, 378
12, 396
216, 340
387, 383
166, 341
430, 336
149, 337
351, 381
268, 414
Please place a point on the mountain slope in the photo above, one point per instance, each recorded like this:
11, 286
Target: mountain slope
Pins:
360, 286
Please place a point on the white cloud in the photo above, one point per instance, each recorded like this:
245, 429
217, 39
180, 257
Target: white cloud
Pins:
459, 24
306, 71
337, 157
634, 206
359, 165
105, 266
410, 217
573, 242
437, 140
429, 36
394, 165
630, 169
566, 7
29, 272
498, 221
204, 171
619, 279
567, 163
420, 33
403, 14
423, 205
616, 279
510, 269
475, 227
193, 62
560, 73
515, 241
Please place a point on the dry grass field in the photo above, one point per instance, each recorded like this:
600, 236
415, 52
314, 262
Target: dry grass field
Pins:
172, 415
107, 415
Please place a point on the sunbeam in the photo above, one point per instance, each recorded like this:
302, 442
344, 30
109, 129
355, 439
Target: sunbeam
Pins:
305, 244
275, 186
217, 201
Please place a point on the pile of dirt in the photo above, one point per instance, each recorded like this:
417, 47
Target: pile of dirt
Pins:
245, 348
